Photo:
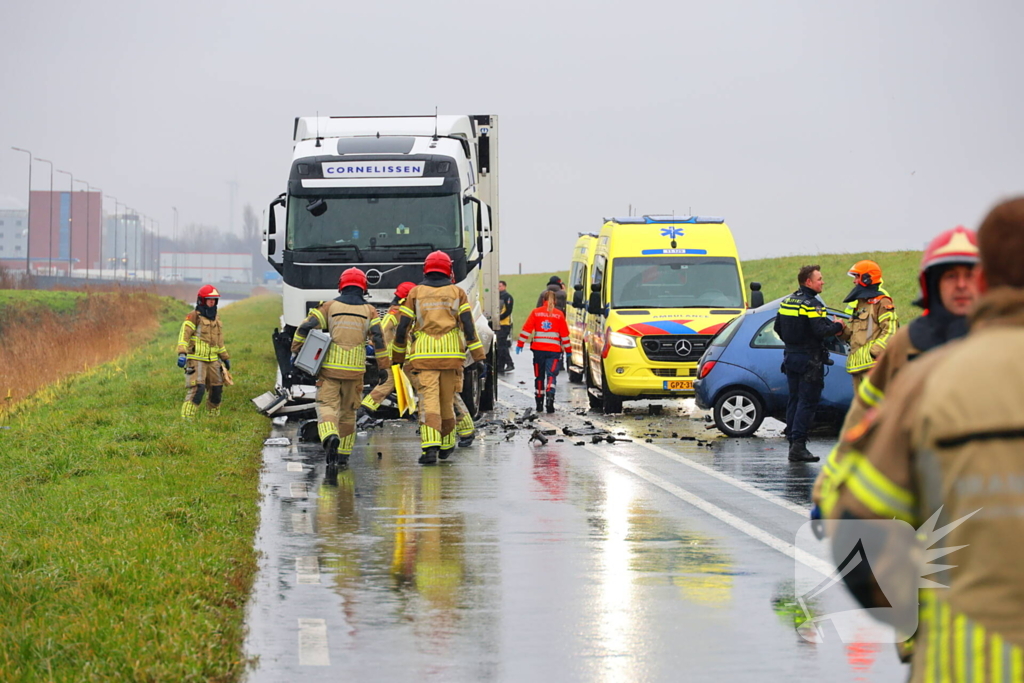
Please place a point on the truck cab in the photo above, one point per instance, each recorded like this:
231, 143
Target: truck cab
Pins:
660, 288
380, 194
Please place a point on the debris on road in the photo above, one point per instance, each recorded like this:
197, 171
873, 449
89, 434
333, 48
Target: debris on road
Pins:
278, 441
539, 437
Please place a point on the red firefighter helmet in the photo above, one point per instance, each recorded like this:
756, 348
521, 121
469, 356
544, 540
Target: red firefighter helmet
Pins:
352, 277
438, 262
208, 292
403, 290
958, 246
866, 273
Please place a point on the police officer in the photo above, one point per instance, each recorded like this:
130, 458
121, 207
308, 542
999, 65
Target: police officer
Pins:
872, 322
202, 353
946, 443
504, 359
351, 322
438, 315
804, 327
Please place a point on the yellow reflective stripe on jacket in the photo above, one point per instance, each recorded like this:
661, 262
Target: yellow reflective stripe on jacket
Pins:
465, 308
406, 311
796, 310
475, 344
869, 393
353, 359
959, 649
182, 341
448, 345
202, 350
877, 492
318, 314
860, 360
834, 472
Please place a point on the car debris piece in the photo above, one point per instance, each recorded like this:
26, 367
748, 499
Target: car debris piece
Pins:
577, 431
278, 441
539, 437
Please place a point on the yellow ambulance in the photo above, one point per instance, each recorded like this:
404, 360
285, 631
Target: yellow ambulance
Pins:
660, 288
576, 311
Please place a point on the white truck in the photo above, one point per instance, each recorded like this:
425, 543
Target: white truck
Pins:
379, 194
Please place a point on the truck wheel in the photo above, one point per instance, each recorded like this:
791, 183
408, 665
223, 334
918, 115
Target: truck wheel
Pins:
489, 395
738, 413
471, 392
610, 403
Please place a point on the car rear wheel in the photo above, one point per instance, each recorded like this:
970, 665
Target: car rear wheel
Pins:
738, 413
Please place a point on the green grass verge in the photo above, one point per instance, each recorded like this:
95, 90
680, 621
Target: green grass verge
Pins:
22, 299
778, 278
126, 534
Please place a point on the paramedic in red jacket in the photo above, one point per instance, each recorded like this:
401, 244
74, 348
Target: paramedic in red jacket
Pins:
548, 335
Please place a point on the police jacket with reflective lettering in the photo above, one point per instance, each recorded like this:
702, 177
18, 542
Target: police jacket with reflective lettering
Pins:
802, 323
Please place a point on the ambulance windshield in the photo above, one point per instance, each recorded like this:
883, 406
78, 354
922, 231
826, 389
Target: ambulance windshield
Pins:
676, 282
374, 220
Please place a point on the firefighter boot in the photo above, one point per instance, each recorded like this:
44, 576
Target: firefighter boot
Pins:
444, 453
466, 441
429, 456
540, 404
798, 452
551, 404
331, 449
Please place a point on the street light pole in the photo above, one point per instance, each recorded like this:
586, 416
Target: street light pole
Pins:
174, 239
49, 211
136, 215
28, 217
71, 215
115, 233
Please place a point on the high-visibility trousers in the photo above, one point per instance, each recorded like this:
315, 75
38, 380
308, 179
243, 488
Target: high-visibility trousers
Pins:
337, 401
435, 395
380, 392
201, 376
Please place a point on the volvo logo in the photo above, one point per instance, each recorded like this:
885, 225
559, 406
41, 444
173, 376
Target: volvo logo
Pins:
684, 347
374, 276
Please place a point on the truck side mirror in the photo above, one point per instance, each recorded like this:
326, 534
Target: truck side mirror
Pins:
272, 217
756, 295
595, 307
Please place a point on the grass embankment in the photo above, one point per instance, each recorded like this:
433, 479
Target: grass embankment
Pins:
47, 336
777, 277
126, 535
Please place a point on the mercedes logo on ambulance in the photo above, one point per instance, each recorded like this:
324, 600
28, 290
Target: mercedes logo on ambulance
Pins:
373, 276
684, 347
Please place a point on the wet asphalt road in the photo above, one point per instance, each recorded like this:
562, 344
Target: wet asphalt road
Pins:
659, 561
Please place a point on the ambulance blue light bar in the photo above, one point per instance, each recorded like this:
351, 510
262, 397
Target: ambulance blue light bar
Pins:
648, 220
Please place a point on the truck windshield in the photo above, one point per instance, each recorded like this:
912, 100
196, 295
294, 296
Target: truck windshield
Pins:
374, 220
676, 282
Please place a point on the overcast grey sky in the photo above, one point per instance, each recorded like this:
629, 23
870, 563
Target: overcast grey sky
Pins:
811, 126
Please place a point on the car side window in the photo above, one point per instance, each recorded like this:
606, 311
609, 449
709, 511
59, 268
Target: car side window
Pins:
766, 337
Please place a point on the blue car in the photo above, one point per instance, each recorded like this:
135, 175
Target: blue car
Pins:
740, 378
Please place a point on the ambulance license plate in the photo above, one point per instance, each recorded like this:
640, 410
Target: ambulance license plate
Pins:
679, 385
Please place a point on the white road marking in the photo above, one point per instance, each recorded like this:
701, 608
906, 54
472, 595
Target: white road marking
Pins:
301, 523
313, 643
295, 467
307, 569
297, 489
758, 534
693, 464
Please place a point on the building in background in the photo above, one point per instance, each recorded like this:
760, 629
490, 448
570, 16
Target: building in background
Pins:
13, 233
66, 231
205, 267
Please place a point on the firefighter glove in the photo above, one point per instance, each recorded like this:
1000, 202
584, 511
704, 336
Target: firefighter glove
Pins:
227, 363
181, 360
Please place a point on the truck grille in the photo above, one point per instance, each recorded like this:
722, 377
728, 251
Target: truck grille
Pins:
681, 348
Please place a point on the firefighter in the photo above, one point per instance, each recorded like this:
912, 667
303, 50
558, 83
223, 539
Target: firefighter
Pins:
948, 292
504, 359
438, 318
202, 353
804, 327
548, 335
373, 400
351, 322
872, 319
947, 443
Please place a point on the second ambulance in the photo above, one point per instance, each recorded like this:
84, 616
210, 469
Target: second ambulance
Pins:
660, 287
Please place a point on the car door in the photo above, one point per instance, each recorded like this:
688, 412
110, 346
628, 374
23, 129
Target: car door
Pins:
765, 352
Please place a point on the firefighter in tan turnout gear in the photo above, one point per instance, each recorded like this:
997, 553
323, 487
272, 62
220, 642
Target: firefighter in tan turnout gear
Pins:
948, 439
201, 352
438, 319
872, 319
350, 322
377, 396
